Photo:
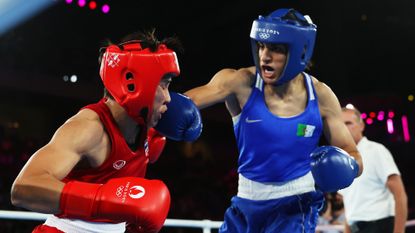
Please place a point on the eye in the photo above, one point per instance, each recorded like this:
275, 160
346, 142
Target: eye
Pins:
164, 84
278, 48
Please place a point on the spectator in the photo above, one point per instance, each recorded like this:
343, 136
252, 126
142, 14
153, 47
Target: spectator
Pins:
376, 201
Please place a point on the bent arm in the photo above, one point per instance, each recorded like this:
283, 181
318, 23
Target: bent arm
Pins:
395, 185
38, 186
335, 130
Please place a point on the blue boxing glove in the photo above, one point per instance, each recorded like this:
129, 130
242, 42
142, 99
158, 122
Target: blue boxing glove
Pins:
182, 120
332, 168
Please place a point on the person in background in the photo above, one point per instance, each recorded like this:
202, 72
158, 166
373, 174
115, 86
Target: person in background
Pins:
376, 201
332, 213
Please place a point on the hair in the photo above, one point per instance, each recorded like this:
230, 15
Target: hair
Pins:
356, 112
147, 39
293, 17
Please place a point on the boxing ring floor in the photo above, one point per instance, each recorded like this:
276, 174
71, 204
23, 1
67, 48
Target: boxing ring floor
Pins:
206, 226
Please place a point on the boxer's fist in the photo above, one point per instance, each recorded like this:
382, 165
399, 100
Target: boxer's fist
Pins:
156, 143
142, 202
182, 120
332, 168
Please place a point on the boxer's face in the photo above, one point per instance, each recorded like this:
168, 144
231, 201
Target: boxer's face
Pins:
272, 58
161, 99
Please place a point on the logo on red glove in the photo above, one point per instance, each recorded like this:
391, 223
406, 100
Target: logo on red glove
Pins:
119, 191
136, 192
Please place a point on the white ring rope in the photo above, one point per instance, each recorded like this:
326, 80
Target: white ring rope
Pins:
206, 225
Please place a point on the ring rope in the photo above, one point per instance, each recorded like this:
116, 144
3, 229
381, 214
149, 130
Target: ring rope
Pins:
206, 224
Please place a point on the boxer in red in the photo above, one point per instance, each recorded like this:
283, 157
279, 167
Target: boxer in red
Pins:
90, 175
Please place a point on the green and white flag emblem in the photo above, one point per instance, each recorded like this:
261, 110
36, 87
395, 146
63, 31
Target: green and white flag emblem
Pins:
304, 130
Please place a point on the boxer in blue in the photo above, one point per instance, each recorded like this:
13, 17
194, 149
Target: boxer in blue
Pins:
279, 113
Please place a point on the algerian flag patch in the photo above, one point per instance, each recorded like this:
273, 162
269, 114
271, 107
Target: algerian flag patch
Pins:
304, 130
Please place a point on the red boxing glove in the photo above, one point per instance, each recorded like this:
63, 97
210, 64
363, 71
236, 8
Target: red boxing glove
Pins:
142, 202
156, 143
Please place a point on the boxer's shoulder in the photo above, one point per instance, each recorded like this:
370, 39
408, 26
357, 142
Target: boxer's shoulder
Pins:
84, 126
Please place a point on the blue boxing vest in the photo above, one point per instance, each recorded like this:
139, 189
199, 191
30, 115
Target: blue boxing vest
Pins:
272, 148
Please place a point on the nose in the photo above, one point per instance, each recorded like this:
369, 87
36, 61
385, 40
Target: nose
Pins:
265, 55
167, 97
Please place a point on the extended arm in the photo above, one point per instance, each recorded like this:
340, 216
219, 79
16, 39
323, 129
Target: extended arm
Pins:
225, 83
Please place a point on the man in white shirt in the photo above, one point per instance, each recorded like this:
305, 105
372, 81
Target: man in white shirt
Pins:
376, 201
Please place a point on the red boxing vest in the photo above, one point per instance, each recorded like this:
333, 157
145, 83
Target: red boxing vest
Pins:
121, 161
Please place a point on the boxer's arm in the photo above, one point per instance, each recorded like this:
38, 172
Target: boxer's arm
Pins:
223, 84
38, 186
335, 130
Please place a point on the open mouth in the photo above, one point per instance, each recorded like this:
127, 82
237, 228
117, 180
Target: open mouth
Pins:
267, 71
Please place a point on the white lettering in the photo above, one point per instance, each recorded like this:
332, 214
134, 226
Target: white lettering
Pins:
266, 30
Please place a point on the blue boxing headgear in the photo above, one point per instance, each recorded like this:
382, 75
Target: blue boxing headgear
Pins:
288, 27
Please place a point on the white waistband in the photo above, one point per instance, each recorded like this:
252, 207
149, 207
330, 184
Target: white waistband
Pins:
254, 190
80, 226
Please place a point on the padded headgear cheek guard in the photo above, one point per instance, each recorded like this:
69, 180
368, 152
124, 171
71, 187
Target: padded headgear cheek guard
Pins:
131, 75
288, 27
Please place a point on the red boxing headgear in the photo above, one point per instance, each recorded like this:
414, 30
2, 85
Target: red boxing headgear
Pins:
131, 75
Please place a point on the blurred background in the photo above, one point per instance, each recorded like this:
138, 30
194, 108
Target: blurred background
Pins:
49, 70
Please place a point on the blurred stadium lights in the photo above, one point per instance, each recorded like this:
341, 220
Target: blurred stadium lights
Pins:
405, 128
92, 5
389, 125
105, 8
13, 12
